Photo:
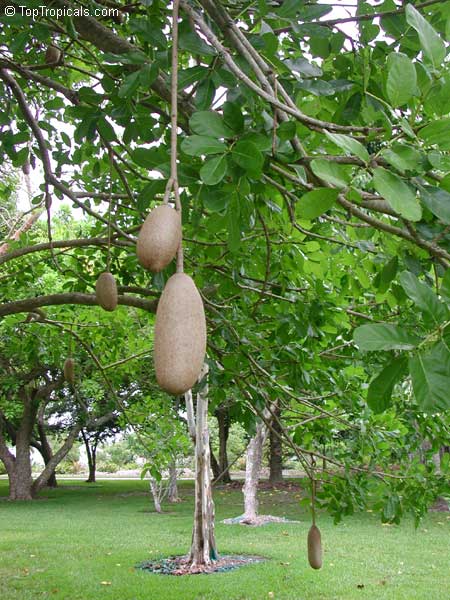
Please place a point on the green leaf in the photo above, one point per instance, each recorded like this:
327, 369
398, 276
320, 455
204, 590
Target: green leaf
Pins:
287, 130
197, 145
191, 42
148, 74
233, 117
304, 67
401, 80
398, 195
209, 123
387, 274
147, 157
330, 172
205, 94
423, 297
233, 224
430, 374
106, 130
437, 134
437, 201
403, 157
129, 85
21, 157
248, 156
214, 200
288, 9
214, 170
432, 45
439, 160
349, 145
315, 203
383, 336
187, 77
380, 389
445, 286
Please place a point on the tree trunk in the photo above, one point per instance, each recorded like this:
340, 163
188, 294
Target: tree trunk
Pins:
223, 421
46, 451
41, 481
91, 454
156, 490
20, 478
214, 464
252, 472
203, 548
276, 448
172, 495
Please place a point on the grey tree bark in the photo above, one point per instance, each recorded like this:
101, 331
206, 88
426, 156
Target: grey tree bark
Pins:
44, 447
253, 465
172, 495
276, 448
223, 422
203, 547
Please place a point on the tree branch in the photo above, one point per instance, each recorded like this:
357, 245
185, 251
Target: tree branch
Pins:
30, 304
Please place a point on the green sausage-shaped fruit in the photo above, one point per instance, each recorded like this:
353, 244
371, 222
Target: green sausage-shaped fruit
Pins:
180, 335
106, 291
314, 547
159, 238
53, 55
69, 370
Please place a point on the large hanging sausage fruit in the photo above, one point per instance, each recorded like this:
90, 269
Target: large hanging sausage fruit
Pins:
180, 335
159, 238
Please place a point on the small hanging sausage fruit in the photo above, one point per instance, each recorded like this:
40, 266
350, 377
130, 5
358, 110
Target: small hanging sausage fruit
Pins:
106, 291
314, 547
26, 169
180, 335
159, 238
53, 55
69, 370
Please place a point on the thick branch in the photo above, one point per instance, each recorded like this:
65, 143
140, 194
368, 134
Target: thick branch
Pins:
228, 60
80, 243
71, 95
30, 304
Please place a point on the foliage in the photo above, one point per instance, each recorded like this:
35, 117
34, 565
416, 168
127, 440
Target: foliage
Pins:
315, 176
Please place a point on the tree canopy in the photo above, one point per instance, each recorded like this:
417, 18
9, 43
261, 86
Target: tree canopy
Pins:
315, 184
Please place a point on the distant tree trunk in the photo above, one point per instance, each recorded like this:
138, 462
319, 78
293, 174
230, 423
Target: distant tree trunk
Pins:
155, 489
436, 458
203, 547
45, 449
252, 472
276, 448
214, 464
172, 495
91, 454
223, 421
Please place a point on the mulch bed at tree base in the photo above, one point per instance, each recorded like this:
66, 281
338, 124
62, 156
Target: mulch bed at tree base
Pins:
289, 486
178, 565
260, 520
441, 505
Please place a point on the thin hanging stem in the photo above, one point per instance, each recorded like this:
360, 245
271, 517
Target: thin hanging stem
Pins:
174, 97
70, 342
313, 493
108, 248
173, 180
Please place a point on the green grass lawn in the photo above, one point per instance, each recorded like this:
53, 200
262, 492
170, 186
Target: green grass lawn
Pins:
81, 542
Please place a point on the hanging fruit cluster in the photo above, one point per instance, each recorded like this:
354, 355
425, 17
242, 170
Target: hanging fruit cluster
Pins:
180, 327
